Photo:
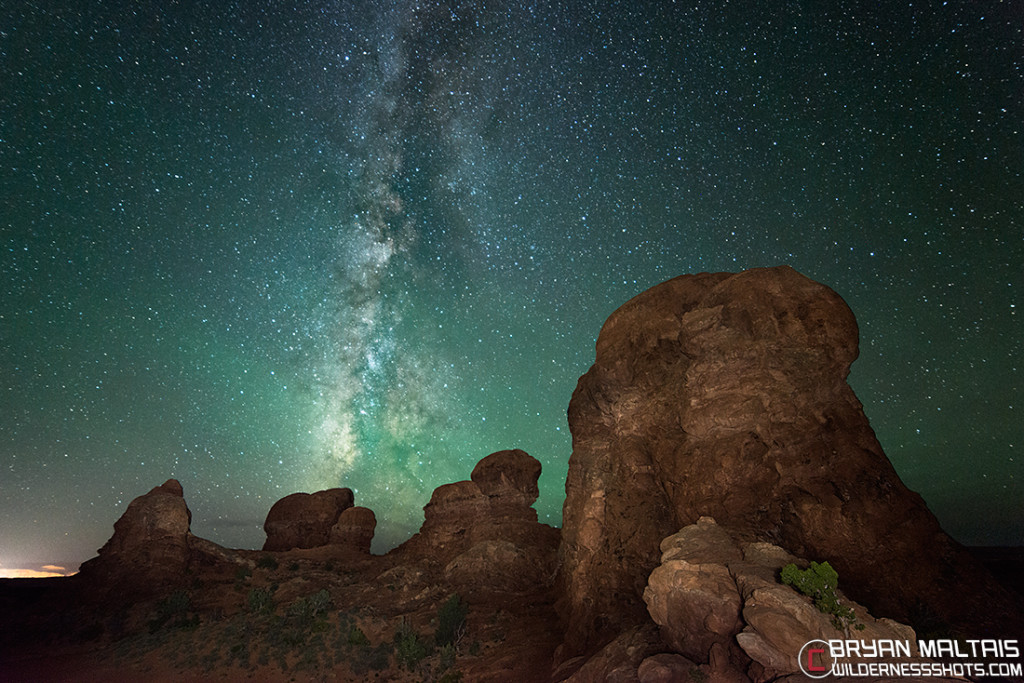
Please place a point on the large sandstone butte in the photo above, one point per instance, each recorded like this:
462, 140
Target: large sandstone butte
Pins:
725, 395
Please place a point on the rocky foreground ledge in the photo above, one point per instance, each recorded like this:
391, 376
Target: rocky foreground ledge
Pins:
715, 442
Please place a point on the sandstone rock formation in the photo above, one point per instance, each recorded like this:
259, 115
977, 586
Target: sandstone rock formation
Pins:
305, 520
712, 590
150, 545
354, 529
713, 397
484, 530
725, 395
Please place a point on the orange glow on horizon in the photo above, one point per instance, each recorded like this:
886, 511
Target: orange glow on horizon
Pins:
44, 572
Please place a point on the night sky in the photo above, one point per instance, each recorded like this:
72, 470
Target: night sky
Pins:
265, 247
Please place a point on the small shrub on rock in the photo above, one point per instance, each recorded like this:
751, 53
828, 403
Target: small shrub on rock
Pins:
819, 582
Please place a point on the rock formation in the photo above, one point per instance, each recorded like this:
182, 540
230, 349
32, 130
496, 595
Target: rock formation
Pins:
722, 615
713, 592
150, 545
725, 395
487, 528
714, 440
354, 529
305, 520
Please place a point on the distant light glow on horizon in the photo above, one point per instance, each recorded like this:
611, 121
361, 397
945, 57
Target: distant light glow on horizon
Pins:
44, 572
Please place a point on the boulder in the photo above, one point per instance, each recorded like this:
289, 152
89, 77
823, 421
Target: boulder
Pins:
619, 660
305, 520
725, 395
354, 529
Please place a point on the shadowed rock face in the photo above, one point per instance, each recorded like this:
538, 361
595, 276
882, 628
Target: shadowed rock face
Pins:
725, 395
304, 520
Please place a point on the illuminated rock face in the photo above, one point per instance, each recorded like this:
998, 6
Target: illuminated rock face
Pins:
491, 515
150, 547
354, 529
305, 520
725, 395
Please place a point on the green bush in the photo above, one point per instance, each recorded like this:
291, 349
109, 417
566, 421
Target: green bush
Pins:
300, 614
819, 582
447, 659
366, 659
451, 622
409, 649
356, 637
260, 601
320, 602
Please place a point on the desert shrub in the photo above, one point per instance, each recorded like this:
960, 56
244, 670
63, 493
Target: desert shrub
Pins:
451, 621
173, 612
260, 601
447, 658
242, 573
366, 659
320, 602
451, 676
410, 650
819, 582
356, 637
239, 652
300, 614
267, 562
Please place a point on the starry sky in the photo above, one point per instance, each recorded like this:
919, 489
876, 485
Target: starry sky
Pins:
267, 247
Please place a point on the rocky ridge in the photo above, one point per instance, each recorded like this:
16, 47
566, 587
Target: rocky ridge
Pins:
715, 440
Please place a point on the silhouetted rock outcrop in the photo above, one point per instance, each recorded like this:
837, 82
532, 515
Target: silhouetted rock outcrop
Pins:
725, 395
304, 520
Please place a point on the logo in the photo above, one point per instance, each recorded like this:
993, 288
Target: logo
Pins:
887, 658
815, 659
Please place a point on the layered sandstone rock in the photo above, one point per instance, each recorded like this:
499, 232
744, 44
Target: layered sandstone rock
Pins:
305, 520
484, 531
725, 395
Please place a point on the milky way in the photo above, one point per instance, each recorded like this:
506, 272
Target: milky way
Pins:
264, 248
